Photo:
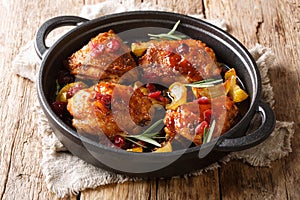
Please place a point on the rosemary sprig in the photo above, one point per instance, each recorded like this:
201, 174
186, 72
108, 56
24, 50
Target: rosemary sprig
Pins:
208, 135
205, 83
147, 136
168, 36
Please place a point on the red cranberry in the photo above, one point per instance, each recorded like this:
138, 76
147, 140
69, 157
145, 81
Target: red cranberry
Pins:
183, 48
119, 141
59, 108
203, 100
155, 94
199, 130
113, 45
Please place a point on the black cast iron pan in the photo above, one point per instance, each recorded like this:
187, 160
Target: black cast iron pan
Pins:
228, 50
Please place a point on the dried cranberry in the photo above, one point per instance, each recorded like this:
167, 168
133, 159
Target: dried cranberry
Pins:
154, 94
203, 100
119, 141
207, 115
199, 130
59, 108
183, 48
113, 46
64, 78
150, 87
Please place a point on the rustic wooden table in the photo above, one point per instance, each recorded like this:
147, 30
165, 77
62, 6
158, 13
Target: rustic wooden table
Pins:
275, 24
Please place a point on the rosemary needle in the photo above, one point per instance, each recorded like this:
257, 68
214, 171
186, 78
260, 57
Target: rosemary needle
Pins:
168, 36
205, 83
147, 136
208, 136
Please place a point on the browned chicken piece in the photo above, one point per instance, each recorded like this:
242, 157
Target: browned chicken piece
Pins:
104, 58
184, 120
178, 60
110, 109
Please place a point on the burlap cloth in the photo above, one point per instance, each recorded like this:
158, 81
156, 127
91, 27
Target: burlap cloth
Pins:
66, 174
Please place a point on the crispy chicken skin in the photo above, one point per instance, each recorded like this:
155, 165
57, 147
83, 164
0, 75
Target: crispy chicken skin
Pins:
105, 57
184, 120
101, 109
178, 60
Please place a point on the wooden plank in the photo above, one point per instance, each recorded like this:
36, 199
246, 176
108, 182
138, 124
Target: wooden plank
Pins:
241, 23
204, 186
21, 176
184, 7
284, 37
240, 181
142, 190
273, 25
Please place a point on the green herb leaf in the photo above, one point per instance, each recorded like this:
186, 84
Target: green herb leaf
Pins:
135, 142
205, 83
207, 137
168, 36
174, 28
147, 139
147, 136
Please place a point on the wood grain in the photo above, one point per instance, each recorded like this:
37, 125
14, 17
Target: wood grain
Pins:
20, 170
143, 190
275, 24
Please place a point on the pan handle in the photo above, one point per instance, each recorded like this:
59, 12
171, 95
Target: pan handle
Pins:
254, 138
50, 25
